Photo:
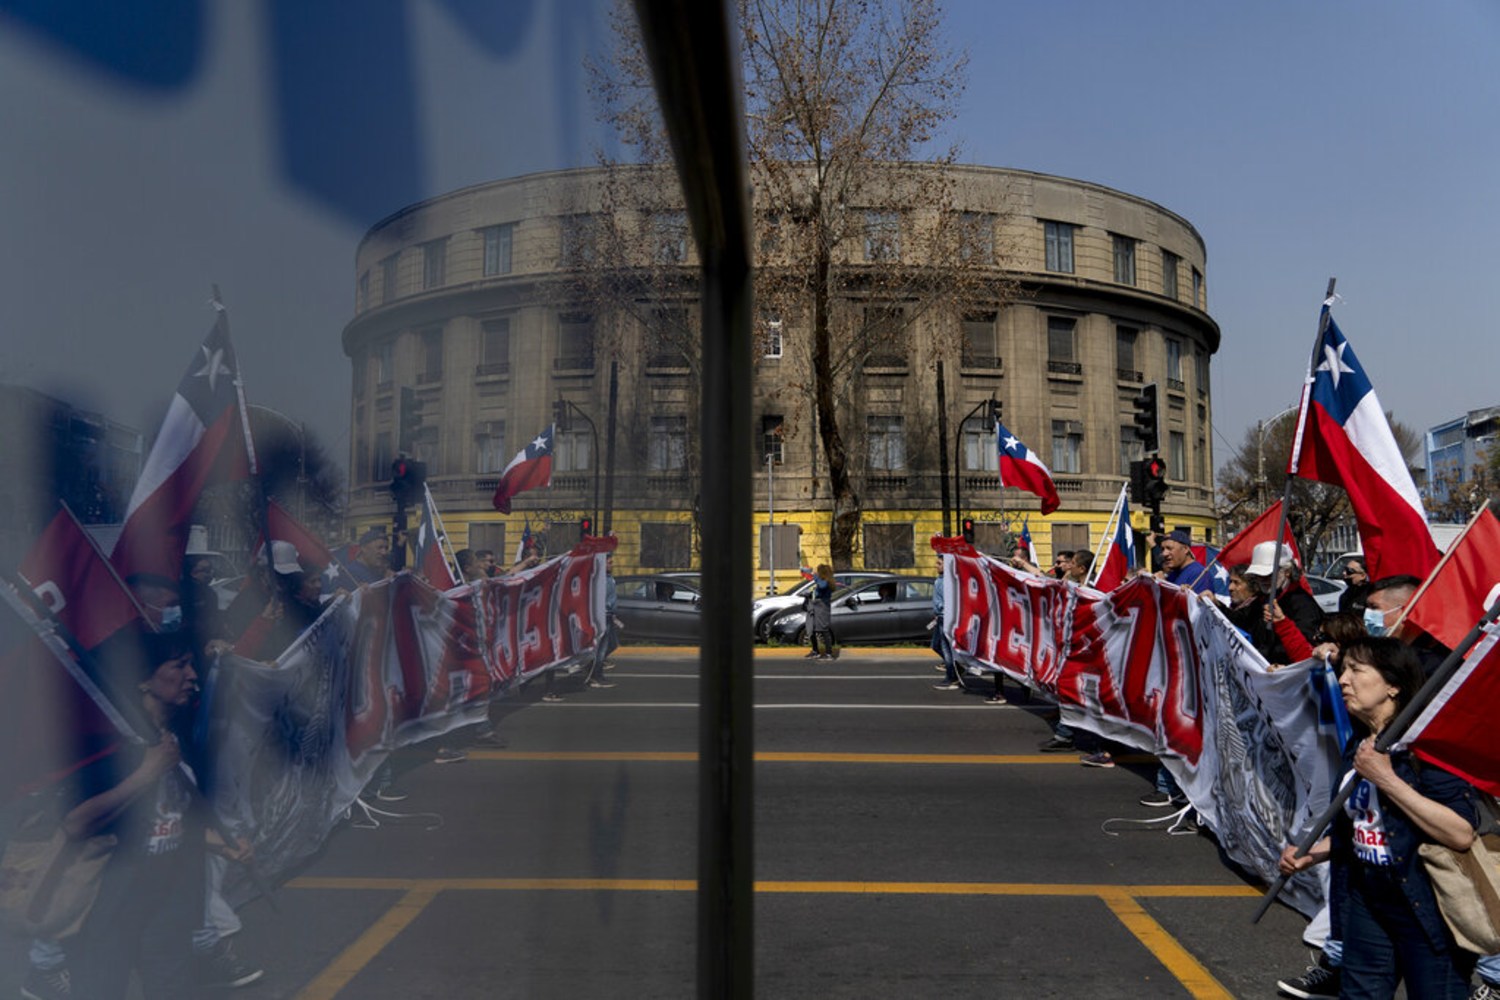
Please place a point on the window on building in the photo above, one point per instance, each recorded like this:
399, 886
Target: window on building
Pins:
489, 447
981, 342
1174, 360
1067, 446
494, 346
363, 293
887, 443
1176, 456
381, 457
976, 230
770, 234
1059, 237
889, 546
432, 354
981, 449
882, 236
1125, 340
772, 431
669, 232
668, 329
1131, 449
1169, 273
1124, 260
1200, 461
388, 278
581, 237
426, 447
667, 445
499, 242
1197, 288
1071, 538
571, 450
1061, 350
994, 538
666, 545
575, 341
1200, 370
770, 328
434, 263
385, 363
489, 536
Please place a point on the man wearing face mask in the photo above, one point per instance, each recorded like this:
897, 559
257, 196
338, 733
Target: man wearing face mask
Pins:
1387, 597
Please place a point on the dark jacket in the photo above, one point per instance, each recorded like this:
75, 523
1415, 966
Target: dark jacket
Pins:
1298, 605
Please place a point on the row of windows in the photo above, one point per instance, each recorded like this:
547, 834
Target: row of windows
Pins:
498, 259
1058, 238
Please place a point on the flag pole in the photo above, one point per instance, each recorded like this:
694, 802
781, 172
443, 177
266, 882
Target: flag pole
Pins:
442, 532
1481, 512
114, 573
1388, 736
1286, 494
1110, 527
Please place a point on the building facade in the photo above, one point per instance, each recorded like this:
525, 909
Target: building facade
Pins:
1457, 451
484, 307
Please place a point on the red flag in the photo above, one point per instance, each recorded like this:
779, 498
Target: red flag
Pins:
1456, 730
76, 583
1452, 599
203, 439
1343, 438
1263, 529
431, 562
1120, 559
531, 468
1019, 467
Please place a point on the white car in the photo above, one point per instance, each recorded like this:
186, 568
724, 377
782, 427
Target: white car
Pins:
1326, 592
767, 608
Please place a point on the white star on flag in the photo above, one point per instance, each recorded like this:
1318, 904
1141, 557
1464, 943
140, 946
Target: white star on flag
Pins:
1334, 362
539, 442
213, 367
1011, 443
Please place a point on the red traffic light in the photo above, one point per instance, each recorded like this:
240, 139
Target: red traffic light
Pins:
968, 530
1156, 468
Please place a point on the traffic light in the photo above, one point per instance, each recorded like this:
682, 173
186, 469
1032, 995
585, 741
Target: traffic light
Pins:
1156, 480
968, 530
585, 527
1145, 419
992, 416
1138, 489
560, 415
409, 421
407, 478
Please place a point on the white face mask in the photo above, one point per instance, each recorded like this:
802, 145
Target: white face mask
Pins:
1374, 622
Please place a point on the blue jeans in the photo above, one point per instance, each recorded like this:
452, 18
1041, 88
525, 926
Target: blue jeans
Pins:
1384, 945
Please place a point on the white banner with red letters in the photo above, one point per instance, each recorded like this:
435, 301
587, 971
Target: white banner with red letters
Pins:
1151, 666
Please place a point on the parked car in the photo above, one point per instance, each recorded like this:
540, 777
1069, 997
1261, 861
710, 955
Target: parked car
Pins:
895, 609
1326, 592
657, 608
767, 608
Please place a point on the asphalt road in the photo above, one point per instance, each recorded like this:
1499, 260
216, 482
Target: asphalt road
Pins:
909, 843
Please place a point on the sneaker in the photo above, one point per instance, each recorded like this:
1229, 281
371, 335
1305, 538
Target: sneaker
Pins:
446, 755
1485, 991
1156, 800
493, 741
390, 794
811, 655
608, 664
1056, 745
940, 668
1321, 980
221, 967
551, 697
1099, 759
946, 686
47, 984
601, 684
996, 699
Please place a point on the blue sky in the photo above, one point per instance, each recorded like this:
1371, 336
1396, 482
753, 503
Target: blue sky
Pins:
1354, 138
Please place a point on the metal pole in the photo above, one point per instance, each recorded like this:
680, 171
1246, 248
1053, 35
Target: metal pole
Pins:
609, 446
958, 473
771, 516
942, 410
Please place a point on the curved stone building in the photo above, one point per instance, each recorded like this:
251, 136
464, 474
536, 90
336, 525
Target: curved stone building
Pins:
482, 308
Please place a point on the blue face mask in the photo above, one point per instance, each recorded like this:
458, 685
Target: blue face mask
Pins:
1374, 622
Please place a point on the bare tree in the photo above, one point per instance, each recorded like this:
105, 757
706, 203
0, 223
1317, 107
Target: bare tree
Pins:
1256, 477
859, 231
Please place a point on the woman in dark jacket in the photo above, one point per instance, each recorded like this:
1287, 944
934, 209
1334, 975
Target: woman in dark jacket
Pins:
1392, 930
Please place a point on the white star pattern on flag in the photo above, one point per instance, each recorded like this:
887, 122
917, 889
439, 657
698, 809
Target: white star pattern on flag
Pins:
1221, 574
213, 367
539, 443
1333, 362
1012, 442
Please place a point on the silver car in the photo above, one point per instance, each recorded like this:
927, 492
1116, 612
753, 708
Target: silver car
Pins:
765, 609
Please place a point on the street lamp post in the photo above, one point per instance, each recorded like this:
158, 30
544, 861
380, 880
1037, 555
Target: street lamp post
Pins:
771, 518
958, 442
594, 456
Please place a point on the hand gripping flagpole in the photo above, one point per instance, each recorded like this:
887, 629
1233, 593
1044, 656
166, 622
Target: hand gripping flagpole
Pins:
1387, 738
1324, 319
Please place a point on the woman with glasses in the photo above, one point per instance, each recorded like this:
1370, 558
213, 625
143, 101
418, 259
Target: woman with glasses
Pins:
1356, 586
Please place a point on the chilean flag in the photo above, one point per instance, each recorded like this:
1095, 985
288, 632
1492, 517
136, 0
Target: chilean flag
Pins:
430, 560
1120, 559
203, 439
1457, 728
531, 468
76, 582
1212, 560
1344, 439
1019, 467
1027, 545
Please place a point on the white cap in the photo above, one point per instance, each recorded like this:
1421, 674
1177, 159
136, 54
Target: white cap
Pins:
1262, 555
284, 558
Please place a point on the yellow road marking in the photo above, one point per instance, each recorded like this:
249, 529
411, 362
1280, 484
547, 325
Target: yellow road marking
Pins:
354, 958
795, 757
1177, 959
